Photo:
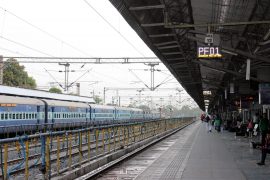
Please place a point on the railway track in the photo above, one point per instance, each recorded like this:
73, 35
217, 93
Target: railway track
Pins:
118, 174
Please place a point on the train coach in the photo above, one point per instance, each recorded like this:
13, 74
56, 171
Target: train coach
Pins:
39, 113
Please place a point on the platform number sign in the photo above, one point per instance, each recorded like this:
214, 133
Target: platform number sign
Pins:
208, 52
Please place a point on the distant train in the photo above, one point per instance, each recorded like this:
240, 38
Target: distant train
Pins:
31, 113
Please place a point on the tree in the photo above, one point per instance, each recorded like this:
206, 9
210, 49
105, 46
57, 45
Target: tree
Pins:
55, 90
97, 99
144, 108
15, 75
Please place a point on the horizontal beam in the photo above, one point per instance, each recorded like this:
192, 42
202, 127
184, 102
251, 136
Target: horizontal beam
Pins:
152, 24
139, 8
165, 43
180, 26
161, 35
171, 53
169, 47
173, 59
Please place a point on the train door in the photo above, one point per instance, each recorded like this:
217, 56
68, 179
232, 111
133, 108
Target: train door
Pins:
38, 115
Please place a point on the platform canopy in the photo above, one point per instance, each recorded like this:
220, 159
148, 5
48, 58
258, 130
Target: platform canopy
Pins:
175, 29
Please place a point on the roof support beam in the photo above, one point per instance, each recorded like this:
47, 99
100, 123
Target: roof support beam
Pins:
168, 47
161, 6
161, 35
152, 24
180, 26
171, 53
172, 59
225, 70
165, 43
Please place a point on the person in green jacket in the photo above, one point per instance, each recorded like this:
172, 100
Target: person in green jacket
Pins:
263, 125
217, 123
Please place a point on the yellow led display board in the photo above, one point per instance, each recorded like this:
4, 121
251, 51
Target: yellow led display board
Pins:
208, 52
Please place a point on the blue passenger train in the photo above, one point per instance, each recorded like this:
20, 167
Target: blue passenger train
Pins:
18, 111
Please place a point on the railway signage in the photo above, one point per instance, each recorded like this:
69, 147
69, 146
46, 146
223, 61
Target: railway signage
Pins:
208, 52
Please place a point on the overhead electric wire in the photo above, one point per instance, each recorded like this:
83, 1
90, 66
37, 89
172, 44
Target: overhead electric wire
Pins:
104, 19
26, 46
54, 78
80, 77
45, 32
139, 79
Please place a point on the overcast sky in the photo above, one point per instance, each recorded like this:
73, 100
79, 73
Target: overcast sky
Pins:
63, 23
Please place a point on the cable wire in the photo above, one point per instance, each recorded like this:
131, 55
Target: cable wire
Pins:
26, 46
45, 32
104, 19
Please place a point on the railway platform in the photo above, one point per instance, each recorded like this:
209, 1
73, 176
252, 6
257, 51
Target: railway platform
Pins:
195, 154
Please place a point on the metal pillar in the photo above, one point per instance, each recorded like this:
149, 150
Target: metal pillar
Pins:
66, 74
78, 88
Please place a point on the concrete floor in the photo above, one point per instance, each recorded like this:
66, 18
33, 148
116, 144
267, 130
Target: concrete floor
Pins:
195, 154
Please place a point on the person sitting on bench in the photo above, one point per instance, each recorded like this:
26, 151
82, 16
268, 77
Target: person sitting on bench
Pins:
265, 149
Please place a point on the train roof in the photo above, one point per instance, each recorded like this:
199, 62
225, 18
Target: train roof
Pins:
136, 109
101, 106
19, 100
15, 91
65, 103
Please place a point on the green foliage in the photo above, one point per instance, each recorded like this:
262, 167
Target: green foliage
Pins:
55, 90
15, 75
97, 99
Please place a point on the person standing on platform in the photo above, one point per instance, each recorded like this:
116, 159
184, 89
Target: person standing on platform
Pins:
263, 126
265, 149
209, 123
250, 128
217, 123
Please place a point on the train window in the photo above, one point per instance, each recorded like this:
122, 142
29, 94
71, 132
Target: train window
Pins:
13, 116
23, 115
17, 116
2, 116
6, 116
26, 117
10, 116
20, 115
35, 115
